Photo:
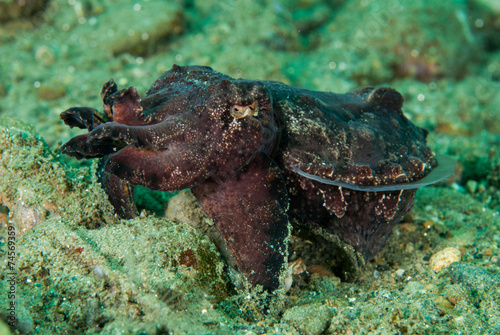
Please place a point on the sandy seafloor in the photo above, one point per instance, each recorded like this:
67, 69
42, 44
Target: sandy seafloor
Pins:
79, 270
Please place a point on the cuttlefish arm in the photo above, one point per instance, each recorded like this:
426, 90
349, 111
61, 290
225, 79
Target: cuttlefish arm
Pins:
249, 211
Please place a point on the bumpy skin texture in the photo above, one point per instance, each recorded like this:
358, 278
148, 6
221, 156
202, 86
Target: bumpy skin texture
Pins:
236, 144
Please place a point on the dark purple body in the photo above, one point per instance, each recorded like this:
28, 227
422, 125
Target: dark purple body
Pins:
238, 144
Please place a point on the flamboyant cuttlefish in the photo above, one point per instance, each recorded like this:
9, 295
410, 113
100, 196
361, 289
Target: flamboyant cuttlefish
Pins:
259, 155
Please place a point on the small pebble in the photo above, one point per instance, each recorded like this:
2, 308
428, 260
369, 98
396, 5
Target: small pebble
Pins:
309, 319
471, 186
400, 272
443, 303
51, 91
428, 224
45, 55
444, 258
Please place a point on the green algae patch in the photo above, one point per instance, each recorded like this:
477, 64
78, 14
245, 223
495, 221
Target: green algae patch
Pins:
483, 291
144, 247
35, 184
117, 277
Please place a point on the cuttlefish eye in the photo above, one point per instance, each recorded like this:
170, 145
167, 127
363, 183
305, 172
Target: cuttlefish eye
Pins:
239, 112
